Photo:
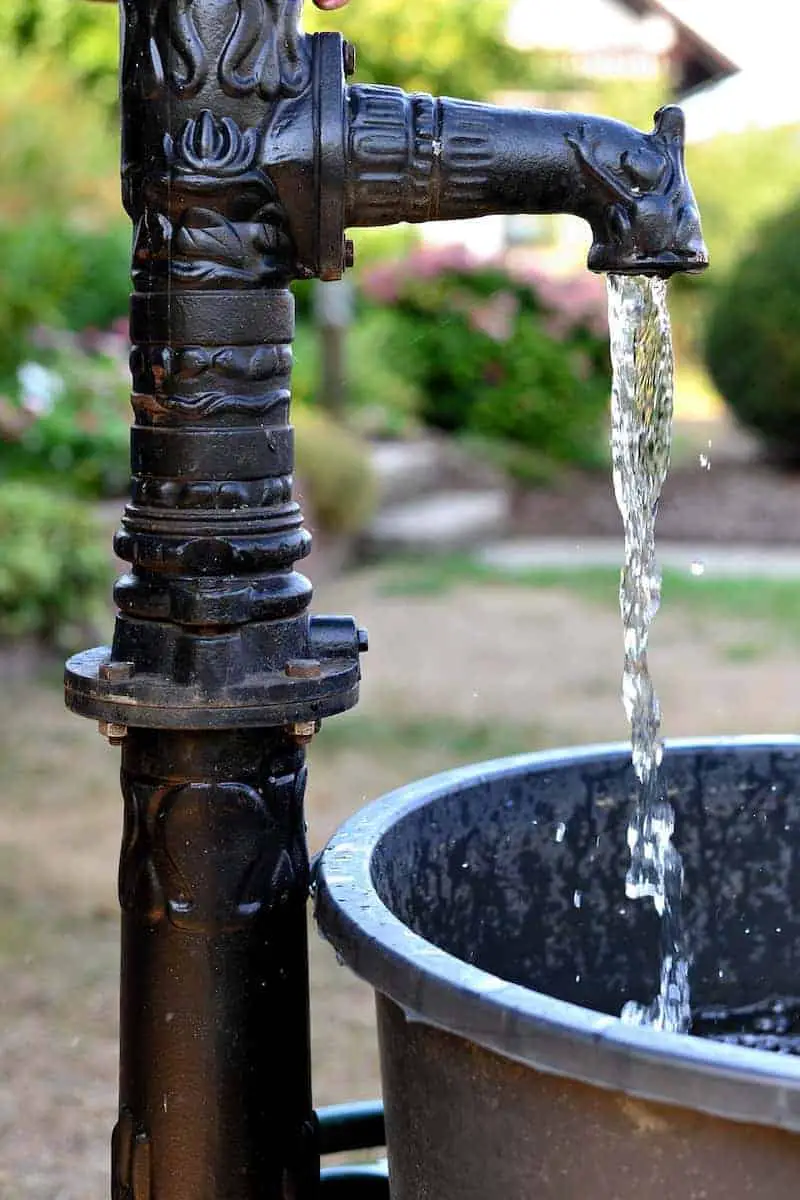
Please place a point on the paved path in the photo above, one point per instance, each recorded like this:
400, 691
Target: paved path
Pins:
714, 561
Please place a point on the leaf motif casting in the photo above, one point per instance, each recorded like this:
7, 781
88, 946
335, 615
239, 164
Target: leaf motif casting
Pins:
265, 52
207, 146
158, 34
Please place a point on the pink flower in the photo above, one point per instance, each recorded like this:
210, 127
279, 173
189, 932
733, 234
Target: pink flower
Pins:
497, 318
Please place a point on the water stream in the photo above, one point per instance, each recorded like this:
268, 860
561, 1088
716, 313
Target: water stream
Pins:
641, 430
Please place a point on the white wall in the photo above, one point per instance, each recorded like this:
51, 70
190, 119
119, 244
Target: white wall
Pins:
587, 27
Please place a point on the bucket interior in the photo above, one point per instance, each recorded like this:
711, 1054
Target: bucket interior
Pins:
523, 876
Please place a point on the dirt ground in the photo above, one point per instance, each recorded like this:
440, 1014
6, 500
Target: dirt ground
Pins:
483, 670
718, 490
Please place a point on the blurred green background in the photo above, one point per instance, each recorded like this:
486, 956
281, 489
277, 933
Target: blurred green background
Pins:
506, 356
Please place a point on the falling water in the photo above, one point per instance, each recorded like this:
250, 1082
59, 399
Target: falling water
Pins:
642, 394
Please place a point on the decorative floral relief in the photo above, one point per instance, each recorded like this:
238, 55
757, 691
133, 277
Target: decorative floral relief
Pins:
208, 404
212, 217
212, 856
168, 368
265, 52
162, 48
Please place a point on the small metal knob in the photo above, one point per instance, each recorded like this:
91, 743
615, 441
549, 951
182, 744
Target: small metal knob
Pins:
350, 58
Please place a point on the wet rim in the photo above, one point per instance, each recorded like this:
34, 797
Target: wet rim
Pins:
530, 1027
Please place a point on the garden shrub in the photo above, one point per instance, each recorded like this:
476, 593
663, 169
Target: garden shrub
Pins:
55, 573
61, 275
517, 357
67, 417
752, 344
334, 473
382, 401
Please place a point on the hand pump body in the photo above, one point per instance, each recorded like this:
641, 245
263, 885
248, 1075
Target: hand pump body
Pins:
245, 158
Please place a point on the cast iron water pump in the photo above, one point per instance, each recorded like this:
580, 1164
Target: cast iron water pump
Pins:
245, 158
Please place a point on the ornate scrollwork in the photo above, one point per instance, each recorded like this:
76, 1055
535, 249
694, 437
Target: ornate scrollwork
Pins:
209, 147
209, 857
265, 51
208, 404
167, 369
212, 217
195, 382
163, 49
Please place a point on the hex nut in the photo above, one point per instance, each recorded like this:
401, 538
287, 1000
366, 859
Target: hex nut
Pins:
349, 58
302, 732
116, 672
349, 253
113, 733
303, 668
363, 640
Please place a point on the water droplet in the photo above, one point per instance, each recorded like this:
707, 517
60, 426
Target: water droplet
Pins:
561, 829
465, 866
698, 567
705, 462
577, 978
577, 899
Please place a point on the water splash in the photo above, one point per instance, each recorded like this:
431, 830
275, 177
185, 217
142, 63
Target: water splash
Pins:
641, 431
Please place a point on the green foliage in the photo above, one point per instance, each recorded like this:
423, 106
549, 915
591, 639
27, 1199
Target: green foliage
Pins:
740, 180
59, 155
334, 472
84, 35
54, 573
523, 361
451, 48
65, 258
753, 349
68, 422
381, 400
59, 275
455, 47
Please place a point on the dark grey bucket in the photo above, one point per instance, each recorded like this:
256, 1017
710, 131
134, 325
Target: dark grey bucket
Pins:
486, 907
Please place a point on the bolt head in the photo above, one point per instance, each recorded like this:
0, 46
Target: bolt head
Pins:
363, 641
113, 733
303, 732
349, 253
116, 672
349, 57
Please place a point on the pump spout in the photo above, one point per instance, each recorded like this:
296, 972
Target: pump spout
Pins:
415, 158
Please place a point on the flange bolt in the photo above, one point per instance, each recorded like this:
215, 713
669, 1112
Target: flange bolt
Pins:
303, 732
116, 672
113, 733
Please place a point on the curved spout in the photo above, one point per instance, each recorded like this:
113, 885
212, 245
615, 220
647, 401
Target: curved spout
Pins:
413, 158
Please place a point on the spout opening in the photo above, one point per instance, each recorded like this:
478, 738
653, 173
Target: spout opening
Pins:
662, 266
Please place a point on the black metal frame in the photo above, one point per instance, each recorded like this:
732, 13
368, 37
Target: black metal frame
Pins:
245, 157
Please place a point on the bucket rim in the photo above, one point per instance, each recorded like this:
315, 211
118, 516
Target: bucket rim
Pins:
557, 1037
